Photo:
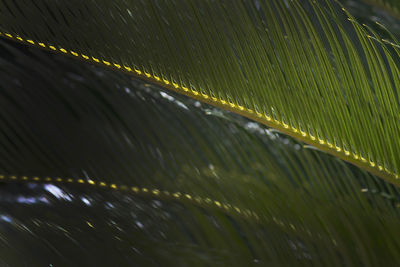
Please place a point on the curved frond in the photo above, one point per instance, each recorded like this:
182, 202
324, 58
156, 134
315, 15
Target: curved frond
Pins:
305, 67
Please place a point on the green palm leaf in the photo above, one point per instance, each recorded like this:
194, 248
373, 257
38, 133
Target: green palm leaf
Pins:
304, 67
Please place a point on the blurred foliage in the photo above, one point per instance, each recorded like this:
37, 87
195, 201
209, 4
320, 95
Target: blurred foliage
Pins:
391, 6
60, 118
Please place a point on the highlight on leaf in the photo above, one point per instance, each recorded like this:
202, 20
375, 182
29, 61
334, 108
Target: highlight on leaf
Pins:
307, 68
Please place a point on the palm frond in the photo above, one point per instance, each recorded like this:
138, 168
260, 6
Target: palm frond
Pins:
305, 67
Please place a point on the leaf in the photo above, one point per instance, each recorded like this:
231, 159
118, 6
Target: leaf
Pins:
307, 68
271, 201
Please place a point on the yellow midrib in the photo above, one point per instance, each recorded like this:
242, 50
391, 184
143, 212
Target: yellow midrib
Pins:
153, 192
